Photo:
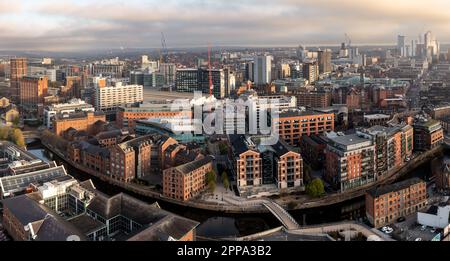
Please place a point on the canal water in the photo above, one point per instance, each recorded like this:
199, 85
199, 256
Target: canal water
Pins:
214, 225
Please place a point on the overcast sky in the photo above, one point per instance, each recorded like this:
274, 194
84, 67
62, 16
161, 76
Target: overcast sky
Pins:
80, 24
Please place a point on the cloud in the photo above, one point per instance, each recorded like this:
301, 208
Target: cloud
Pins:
83, 24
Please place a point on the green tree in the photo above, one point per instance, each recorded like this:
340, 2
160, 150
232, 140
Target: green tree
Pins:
225, 181
315, 188
211, 178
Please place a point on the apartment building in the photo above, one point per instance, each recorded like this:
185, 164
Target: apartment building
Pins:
32, 92
265, 169
127, 116
386, 204
83, 121
131, 159
110, 98
394, 145
314, 99
293, 124
73, 106
428, 134
188, 180
350, 161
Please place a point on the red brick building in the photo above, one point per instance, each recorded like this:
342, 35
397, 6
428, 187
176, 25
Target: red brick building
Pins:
386, 204
188, 180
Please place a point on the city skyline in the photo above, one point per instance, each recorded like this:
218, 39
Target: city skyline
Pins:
83, 25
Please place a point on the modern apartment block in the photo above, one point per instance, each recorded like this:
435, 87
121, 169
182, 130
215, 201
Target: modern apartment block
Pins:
82, 121
428, 134
350, 161
73, 106
394, 145
190, 80
32, 92
386, 204
110, 98
188, 180
131, 159
293, 124
127, 116
262, 168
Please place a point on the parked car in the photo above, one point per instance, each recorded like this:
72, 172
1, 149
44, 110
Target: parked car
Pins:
401, 219
418, 239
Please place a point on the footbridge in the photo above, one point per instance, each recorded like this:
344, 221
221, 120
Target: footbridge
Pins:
31, 134
281, 214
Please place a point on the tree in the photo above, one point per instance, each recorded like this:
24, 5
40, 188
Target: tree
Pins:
16, 136
211, 180
4, 133
315, 188
225, 181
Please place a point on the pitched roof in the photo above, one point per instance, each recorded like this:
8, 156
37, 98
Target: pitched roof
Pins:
191, 166
375, 192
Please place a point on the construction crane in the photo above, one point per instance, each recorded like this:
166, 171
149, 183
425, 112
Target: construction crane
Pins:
211, 87
163, 51
349, 41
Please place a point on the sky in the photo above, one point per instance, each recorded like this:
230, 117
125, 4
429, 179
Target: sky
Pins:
70, 25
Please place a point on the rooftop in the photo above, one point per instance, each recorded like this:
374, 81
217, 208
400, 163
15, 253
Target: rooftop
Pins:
191, 166
375, 192
349, 140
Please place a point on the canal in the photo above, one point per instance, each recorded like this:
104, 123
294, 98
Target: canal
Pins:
214, 225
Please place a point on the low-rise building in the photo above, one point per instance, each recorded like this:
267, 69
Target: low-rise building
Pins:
127, 116
384, 205
188, 180
376, 119
435, 216
350, 161
83, 121
73, 106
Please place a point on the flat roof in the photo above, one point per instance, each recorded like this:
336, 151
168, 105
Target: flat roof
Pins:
348, 140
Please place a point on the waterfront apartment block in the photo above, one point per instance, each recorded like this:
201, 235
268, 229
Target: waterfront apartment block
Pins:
288, 165
32, 92
188, 180
394, 145
73, 106
131, 159
127, 116
386, 204
83, 121
350, 161
246, 161
293, 124
428, 134
265, 169
110, 98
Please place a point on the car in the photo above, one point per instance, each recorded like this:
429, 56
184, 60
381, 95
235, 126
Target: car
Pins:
423, 228
401, 219
418, 239
433, 230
